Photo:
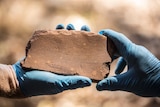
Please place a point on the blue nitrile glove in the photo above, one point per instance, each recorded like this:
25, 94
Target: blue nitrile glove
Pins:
34, 82
143, 74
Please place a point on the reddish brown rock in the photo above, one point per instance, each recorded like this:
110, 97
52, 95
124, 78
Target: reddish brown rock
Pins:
69, 53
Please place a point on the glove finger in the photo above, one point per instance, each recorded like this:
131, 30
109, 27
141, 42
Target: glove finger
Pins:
60, 26
70, 27
85, 28
73, 82
118, 82
65, 82
120, 65
49, 83
121, 42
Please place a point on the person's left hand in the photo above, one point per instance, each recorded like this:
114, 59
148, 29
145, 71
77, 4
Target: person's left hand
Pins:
34, 82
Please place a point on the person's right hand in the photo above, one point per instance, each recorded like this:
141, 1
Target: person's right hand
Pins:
143, 74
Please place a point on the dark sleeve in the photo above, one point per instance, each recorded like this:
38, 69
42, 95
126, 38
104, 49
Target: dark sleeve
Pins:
9, 85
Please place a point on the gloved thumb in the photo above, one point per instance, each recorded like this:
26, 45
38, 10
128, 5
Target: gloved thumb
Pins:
111, 83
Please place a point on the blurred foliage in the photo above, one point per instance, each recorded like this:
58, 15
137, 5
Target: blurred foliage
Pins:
137, 19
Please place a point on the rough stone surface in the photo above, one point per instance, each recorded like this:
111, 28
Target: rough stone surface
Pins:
69, 53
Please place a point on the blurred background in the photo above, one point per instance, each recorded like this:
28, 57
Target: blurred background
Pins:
139, 20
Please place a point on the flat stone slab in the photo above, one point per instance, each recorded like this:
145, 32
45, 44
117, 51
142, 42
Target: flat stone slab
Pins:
69, 52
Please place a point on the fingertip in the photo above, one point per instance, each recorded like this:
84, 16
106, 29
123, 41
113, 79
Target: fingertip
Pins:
115, 36
99, 86
70, 27
78, 81
121, 42
84, 81
85, 28
106, 32
106, 84
60, 26
101, 32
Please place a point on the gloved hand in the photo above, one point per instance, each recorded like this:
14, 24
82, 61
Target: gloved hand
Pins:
34, 82
143, 74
